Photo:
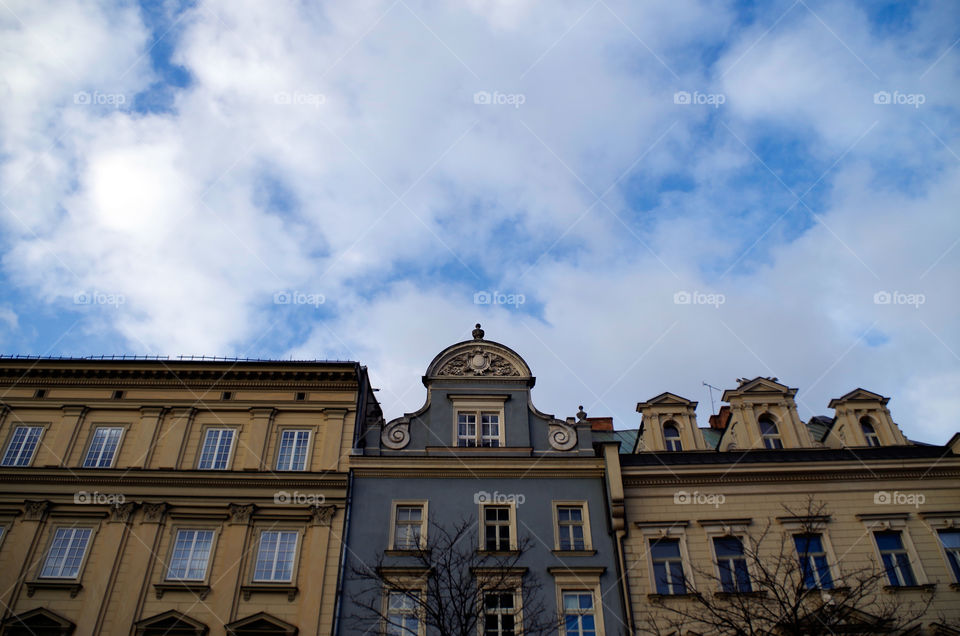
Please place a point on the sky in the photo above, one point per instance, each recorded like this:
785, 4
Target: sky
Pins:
637, 197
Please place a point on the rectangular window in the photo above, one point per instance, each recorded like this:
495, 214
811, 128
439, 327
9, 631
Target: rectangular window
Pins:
951, 545
191, 553
499, 613
466, 429
103, 447
490, 430
293, 450
813, 561
407, 527
896, 562
496, 527
275, 557
578, 614
403, 613
667, 566
22, 446
732, 562
216, 449
570, 528
66, 553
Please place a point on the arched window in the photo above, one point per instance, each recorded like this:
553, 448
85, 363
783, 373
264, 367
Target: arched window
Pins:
869, 432
769, 432
671, 435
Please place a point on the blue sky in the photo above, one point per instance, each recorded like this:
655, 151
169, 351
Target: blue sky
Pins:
353, 180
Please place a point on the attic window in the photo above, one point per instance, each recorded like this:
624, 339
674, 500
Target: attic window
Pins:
770, 433
869, 432
671, 437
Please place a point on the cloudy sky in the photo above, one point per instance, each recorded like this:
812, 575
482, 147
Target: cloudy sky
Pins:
636, 196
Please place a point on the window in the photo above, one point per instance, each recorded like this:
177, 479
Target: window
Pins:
667, 566
578, 614
896, 562
103, 447
22, 446
950, 539
496, 528
570, 525
403, 613
488, 435
293, 450
275, 557
769, 433
671, 437
732, 563
66, 553
191, 553
216, 449
813, 561
408, 524
869, 432
499, 613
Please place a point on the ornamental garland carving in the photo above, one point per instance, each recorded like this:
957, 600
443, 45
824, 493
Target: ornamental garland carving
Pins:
479, 362
562, 435
396, 434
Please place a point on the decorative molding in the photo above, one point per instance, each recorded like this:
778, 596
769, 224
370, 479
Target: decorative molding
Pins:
35, 510
122, 512
200, 590
290, 590
73, 587
240, 513
396, 434
153, 512
479, 361
779, 477
322, 515
234, 480
563, 435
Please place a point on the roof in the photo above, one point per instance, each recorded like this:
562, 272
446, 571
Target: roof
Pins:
819, 426
711, 436
626, 437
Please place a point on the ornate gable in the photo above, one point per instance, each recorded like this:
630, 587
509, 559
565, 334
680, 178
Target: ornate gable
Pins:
170, 623
758, 386
38, 622
478, 358
261, 623
858, 395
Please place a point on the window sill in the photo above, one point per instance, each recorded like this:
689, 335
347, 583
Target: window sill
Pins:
759, 594
290, 590
201, 590
73, 587
403, 553
574, 553
659, 598
494, 553
929, 587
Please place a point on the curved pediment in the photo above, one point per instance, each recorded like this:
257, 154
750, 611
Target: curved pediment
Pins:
478, 358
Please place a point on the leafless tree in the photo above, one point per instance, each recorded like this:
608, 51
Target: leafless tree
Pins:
786, 597
452, 588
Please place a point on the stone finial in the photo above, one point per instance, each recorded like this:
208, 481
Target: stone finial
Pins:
478, 332
581, 414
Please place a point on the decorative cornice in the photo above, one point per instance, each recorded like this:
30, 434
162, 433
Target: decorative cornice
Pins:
733, 477
170, 479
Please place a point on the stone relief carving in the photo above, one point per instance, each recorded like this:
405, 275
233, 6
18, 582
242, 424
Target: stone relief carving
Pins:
122, 512
322, 515
396, 434
479, 362
563, 435
241, 513
153, 512
34, 510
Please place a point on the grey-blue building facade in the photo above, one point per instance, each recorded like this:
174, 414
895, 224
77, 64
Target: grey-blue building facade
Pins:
479, 484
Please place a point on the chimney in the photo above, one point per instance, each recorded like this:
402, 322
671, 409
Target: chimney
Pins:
721, 419
600, 423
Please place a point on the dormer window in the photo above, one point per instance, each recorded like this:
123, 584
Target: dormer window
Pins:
488, 434
769, 433
869, 432
671, 437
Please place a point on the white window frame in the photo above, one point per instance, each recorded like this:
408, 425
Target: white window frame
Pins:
478, 406
775, 439
511, 524
93, 439
234, 434
866, 420
275, 560
416, 611
297, 432
653, 531
895, 522
175, 537
670, 442
17, 463
424, 522
73, 532
948, 521
585, 524
815, 525
718, 528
